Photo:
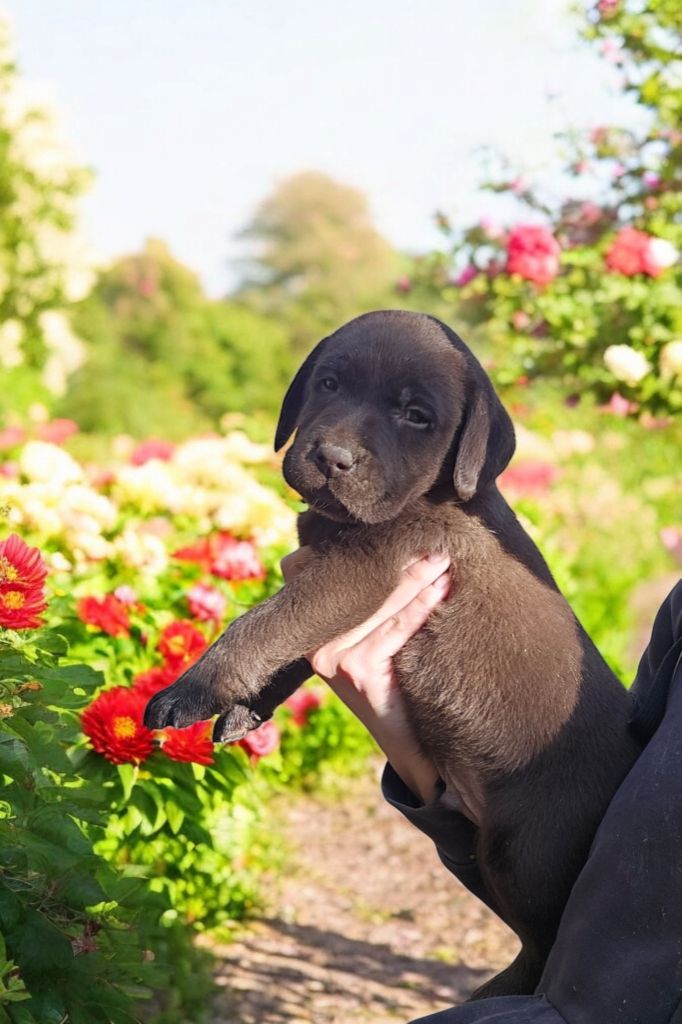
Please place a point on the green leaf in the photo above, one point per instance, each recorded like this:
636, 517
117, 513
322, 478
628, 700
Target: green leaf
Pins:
40, 948
15, 759
128, 774
175, 816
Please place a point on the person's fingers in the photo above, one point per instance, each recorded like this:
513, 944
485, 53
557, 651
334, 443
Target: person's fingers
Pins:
292, 564
414, 578
388, 638
425, 581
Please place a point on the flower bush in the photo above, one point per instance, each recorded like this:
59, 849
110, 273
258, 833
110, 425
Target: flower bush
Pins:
128, 571
587, 290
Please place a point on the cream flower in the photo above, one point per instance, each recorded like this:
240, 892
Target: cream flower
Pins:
142, 551
46, 462
671, 359
11, 333
626, 363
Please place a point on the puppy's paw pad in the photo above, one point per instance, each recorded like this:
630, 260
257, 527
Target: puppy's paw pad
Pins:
234, 724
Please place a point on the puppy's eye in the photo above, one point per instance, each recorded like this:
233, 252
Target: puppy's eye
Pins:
329, 384
416, 417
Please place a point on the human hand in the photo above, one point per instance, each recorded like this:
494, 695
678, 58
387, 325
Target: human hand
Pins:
359, 667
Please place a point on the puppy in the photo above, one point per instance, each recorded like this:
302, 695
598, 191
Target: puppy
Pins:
400, 437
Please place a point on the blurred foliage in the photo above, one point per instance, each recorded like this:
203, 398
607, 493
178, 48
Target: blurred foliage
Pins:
317, 258
164, 359
44, 266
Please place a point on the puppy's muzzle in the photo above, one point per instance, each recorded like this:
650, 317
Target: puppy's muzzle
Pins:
333, 461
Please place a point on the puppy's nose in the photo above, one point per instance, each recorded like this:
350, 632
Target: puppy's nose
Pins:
332, 460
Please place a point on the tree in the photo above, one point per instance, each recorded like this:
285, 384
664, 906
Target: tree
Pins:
317, 258
44, 264
589, 292
162, 358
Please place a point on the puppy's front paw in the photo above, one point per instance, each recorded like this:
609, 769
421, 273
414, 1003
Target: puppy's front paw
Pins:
181, 704
234, 724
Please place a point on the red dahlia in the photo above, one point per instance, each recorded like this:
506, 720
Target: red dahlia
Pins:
22, 577
146, 684
107, 613
191, 744
113, 724
181, 643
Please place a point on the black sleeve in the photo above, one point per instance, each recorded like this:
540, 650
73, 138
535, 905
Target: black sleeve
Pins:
453, 834
618, 952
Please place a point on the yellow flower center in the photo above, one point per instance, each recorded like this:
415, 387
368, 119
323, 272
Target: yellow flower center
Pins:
13, 599
124, 727
177, 645
8, 572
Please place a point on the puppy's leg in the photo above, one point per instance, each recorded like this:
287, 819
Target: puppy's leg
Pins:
330, 596
236, 723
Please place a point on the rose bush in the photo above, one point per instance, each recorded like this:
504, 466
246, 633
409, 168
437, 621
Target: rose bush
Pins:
587, 290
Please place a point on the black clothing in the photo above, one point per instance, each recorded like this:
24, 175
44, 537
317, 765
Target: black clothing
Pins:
617, 958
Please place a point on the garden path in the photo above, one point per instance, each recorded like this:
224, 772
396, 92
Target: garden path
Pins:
363, 925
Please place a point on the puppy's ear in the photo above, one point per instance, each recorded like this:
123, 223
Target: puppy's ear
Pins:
293, 400
486, 439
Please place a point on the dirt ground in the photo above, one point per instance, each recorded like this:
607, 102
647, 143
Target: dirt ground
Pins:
363, 925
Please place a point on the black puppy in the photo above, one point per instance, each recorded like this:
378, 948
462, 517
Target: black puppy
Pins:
400, 439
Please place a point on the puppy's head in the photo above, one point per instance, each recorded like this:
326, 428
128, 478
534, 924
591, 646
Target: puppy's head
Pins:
385, 408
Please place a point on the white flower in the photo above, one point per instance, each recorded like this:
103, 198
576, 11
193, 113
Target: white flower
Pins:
42, 461
10, 344
663, 253
671, 359
83, 509
241, 448
572, 442
142, 551
67, 351
626, 363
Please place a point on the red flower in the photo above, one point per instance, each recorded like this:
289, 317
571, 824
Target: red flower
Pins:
113, 724
156, 678
533, 253
630, 254
22, 578
107, 613
191, 744
152, 449
57, 431
206, 603
224, 556
529, 478
301, 704
200, 553
181, 643
261, 741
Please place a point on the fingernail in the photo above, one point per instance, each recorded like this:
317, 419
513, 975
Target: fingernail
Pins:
438, 556
442, 583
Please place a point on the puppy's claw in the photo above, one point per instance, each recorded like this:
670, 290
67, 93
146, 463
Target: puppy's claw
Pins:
234, 724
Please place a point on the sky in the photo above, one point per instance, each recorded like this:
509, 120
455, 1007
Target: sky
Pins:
190, 113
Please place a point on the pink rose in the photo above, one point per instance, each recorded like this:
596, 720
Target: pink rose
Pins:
533, 253
152, 449
466, 276
206, 603
261, 741
57, 431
